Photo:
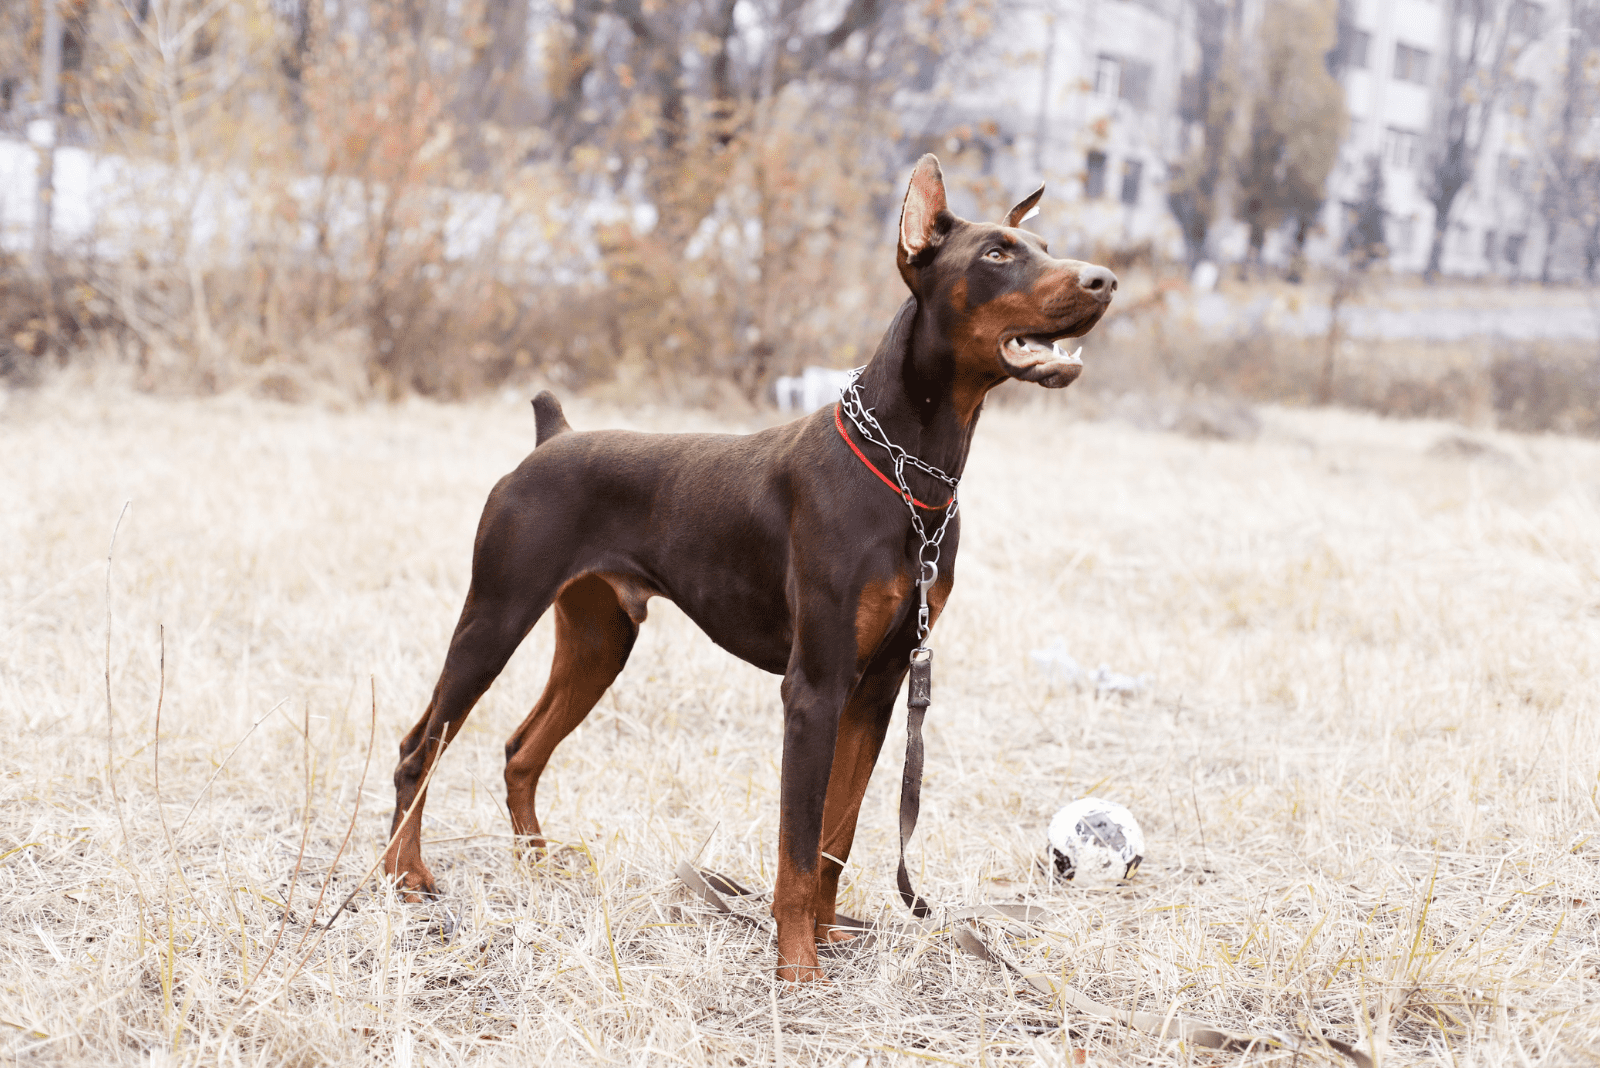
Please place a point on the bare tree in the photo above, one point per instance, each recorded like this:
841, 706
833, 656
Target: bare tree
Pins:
17, 60
48, 124
1566, 159
679, 83
1209, 96
1478, 57
424, 195
1365, 243
1297, 119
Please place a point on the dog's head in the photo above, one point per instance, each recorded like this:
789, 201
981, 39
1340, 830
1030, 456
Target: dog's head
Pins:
1004, 302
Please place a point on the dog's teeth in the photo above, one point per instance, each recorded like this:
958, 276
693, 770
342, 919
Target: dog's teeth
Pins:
1077, 355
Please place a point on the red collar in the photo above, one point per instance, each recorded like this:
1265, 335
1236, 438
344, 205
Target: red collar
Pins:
838, 421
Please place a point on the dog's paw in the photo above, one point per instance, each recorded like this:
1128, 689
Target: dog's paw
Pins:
414, 887
796, 974
529, 846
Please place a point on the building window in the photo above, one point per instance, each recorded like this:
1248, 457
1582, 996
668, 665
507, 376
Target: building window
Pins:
1410, 64
1514, 247
1094, 176
1353, 46
1526, 20
1134, 84
1490, 240
1401, 148
1132, 172
1120, 78
1107, 77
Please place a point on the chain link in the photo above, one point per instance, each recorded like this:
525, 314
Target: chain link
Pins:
866, 425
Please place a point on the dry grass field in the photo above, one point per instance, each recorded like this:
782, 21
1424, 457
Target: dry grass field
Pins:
1367, 759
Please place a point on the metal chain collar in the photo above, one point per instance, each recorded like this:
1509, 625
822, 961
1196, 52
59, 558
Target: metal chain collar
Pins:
866, 424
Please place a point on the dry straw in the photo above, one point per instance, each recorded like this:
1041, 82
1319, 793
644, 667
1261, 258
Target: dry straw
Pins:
1366, 761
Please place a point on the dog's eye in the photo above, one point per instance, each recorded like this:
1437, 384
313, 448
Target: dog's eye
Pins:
995, 254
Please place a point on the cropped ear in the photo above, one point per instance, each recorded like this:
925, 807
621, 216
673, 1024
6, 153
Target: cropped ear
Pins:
920, 213
1026, 209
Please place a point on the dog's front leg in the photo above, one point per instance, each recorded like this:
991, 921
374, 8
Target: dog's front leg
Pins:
860, 736
811, 708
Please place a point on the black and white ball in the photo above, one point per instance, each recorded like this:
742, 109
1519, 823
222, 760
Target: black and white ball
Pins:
1095, 842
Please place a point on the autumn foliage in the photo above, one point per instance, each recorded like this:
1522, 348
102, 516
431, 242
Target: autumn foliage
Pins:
414, 196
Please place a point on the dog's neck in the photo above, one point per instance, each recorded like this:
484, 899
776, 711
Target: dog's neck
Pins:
908, 385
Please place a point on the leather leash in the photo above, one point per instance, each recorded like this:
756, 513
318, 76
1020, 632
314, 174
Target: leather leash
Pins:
918, 695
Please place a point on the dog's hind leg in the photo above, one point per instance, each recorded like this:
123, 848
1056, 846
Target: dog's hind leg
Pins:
489, 631
596, 624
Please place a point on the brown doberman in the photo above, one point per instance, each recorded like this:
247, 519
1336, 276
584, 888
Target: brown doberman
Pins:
784, 546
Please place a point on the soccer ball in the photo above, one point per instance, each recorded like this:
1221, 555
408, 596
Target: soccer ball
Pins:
1095, 842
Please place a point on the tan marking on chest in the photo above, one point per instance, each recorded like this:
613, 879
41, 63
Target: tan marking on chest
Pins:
876, 610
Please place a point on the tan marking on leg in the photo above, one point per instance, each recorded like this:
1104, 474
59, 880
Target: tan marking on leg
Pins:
856, 751
402, 861
793, 901
595, 627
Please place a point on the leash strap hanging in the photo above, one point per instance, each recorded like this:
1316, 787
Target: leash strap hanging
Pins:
919, 694
917, 698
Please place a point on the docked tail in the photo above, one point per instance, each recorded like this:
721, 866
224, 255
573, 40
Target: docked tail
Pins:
547, 418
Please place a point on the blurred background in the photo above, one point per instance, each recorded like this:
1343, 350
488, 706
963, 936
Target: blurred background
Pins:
1391, 205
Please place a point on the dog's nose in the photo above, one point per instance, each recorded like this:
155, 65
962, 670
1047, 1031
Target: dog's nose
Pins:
1099, 282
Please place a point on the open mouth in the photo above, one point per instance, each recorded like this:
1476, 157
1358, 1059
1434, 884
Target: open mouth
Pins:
1042, 359
1022, 352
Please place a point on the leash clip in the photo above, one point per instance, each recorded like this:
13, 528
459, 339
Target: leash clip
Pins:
930, 574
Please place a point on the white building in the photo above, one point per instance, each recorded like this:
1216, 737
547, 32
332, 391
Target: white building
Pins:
1089, 99
1391, 55
1082, 95
1396, 53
